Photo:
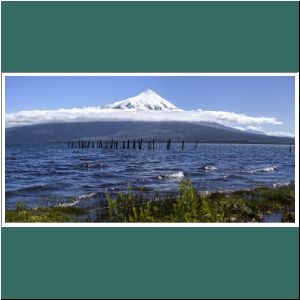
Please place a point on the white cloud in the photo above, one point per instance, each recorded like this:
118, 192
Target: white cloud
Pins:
280, 133
256, 128
86, 114
239, 128
267, 132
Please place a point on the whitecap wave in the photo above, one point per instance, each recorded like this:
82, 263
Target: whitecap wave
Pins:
68, 204
177, 175
285, 183
87, 196
110, 189
266, 169
210, 168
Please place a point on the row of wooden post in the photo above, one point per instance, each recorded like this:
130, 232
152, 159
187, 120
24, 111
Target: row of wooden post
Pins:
114, 144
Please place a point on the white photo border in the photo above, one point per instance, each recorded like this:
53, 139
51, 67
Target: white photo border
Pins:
151, 225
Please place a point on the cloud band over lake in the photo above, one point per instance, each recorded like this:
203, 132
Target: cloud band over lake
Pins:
88, 114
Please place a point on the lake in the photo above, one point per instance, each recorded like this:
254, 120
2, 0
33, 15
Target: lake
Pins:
55, 175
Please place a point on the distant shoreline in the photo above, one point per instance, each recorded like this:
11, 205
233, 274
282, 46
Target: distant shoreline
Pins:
124, 130
158, 142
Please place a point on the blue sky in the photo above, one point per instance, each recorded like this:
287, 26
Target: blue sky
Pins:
271, 96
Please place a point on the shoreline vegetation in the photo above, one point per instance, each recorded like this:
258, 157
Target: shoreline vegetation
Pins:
261, 204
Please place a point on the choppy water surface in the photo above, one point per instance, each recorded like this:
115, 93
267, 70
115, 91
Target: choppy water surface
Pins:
53, 175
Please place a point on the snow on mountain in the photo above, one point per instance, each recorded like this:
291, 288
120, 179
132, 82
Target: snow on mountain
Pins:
147, 100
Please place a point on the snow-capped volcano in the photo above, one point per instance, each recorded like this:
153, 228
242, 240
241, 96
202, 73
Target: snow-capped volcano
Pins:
147, 100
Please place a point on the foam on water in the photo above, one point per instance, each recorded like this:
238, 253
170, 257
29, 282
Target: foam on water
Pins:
210, 168
266, 169
177, 175
87, 196
285, 183
68, 204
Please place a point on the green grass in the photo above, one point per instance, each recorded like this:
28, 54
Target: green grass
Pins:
44, 215
186, 206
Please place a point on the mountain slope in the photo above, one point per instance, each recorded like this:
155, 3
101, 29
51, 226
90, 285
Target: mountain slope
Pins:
178, 131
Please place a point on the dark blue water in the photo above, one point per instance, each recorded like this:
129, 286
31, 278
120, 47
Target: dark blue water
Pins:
53, 175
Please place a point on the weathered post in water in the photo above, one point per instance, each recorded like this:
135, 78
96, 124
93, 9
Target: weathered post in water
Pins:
140, 144
134, 144
182, 145
169, 144
196, 144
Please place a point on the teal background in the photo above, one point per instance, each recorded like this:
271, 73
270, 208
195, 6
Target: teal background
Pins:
150, 262
150, 37
208, 263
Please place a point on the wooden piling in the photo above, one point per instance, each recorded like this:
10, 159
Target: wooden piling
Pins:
182, 145
169, 144
196, 144
140, 143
